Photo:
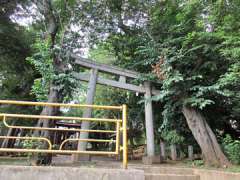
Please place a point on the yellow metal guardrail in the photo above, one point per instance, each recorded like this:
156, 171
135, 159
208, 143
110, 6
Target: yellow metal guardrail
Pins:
121, 128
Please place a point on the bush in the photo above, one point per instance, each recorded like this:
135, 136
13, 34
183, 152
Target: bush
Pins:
232, 149
172, 137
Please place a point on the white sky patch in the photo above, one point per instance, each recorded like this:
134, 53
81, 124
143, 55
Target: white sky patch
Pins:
207, 24
29, 15
1, 79
26, 16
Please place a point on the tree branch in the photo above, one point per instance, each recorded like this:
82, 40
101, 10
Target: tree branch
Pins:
46, 9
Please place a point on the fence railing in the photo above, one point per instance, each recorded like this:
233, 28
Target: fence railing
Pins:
119, 131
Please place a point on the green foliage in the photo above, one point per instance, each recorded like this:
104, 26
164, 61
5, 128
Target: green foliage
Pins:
16, 76
195, 44
43, 63
232, 149
32, 144
102, 53
172, 137
40, 89
197, 163
66, 84
197, 57
42, 59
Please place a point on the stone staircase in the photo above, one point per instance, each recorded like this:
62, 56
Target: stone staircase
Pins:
170, 177
165, 173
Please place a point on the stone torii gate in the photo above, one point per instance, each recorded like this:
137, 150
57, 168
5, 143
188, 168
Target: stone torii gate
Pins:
123, 75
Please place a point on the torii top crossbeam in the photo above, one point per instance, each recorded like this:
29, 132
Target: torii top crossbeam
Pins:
122, 73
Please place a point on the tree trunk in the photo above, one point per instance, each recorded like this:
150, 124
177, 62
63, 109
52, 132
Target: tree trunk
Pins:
9, 133
7, 143
20, 134
11, 142
205, 137
40, 159
46, 9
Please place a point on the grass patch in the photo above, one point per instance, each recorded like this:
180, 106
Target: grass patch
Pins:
235, 168
200, 164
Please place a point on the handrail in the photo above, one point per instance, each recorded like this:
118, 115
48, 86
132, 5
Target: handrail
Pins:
23, 103
57, 151
29, 138
84, 140
59, 117
53, 129
121, 127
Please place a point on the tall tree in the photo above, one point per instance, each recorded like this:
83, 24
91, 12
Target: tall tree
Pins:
180, 40
51, 60
16, 75
189, 65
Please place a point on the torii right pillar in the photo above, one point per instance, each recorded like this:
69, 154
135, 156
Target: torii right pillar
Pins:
149, 125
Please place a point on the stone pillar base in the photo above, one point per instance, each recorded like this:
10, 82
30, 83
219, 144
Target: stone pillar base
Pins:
148, 160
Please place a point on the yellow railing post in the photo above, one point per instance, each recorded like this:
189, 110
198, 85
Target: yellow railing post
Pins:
117, 137
125, 140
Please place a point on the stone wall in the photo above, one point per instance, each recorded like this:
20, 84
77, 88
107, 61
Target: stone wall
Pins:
82, 173
67, 173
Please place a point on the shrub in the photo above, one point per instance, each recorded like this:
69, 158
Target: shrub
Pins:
232, 149
172, 137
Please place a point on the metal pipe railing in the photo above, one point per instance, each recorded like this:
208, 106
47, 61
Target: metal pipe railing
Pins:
23, 103
121, 127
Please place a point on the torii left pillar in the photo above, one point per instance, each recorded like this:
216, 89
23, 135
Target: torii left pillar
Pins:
87, 112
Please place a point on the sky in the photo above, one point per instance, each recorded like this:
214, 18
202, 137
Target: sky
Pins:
27, 16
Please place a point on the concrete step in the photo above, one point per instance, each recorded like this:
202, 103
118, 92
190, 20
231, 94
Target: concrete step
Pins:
166, 170
152, 176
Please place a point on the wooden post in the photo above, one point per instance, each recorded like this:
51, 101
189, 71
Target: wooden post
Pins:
173, 152
162, 150
149, 120
190, 152
88, 111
